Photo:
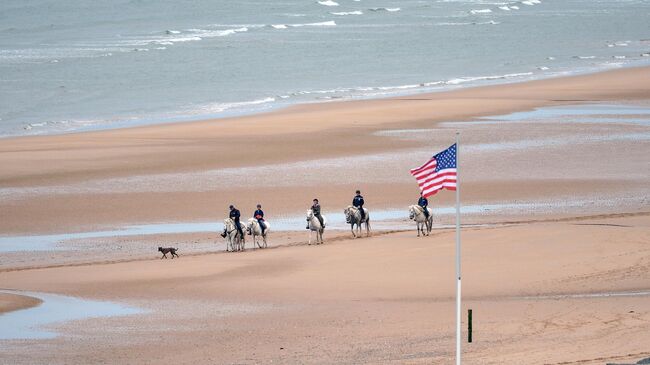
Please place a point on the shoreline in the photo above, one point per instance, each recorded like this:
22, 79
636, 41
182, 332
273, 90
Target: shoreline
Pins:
481, 81
289, 109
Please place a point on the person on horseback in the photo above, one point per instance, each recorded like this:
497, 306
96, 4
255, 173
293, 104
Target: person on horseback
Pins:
234, 215
357, 202
315, 208
424, 203
259, 215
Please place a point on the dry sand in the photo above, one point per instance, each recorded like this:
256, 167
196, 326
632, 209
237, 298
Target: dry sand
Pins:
547, 285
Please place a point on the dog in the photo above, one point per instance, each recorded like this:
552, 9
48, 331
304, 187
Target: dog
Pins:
166, 250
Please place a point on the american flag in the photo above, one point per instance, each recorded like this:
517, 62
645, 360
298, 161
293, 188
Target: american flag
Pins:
437, 173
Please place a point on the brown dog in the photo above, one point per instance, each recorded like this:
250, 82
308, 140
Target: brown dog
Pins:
166, 250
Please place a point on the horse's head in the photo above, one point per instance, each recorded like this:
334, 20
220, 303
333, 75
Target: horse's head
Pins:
411, 212
310, 215
348, 214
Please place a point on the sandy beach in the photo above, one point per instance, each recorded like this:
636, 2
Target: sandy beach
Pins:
556, 263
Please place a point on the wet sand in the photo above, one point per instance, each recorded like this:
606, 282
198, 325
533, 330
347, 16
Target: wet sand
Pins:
557, 292
556, 260
193, 171
13, 302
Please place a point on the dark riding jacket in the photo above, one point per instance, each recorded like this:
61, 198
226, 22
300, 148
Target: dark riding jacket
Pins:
235, 214
423, 202
316, 209
357, 201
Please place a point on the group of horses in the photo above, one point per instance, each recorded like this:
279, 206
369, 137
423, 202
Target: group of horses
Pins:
353, 217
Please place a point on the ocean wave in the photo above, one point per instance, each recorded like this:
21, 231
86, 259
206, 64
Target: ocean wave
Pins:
385, 9
329, 23
463, 80
366, 91
214, 108
480, 11
584, 57
356, 12
490, 22
328, 3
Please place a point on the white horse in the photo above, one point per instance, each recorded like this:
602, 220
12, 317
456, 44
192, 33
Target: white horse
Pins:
253, 228
314, 226
416, 213
353, 216
235, 241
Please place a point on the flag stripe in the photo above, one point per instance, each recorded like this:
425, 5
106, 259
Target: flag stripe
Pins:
430, 163
437, 177
437, 173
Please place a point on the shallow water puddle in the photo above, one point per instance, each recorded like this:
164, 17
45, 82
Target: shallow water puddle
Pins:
29, 323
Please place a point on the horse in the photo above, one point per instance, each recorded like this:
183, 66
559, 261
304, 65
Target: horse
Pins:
353, 216
235, 242
416, 213
253, 228
315, 226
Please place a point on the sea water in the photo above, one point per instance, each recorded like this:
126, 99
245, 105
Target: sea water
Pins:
71, 65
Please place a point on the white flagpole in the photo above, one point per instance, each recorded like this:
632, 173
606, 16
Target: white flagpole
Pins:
457, 253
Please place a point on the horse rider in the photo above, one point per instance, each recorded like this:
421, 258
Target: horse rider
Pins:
315, 208
357, 202
234, 215
259, 215
424, 203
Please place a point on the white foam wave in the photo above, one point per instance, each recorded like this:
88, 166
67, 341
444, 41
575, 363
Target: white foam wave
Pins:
515, 7
506, 8
214, 108
480, 11
356, 12
584, 57
330, 23
278, 26
463, 80
328, 3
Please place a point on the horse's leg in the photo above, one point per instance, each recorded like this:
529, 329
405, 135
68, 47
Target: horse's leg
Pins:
264, 240
309, 236
352, 230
